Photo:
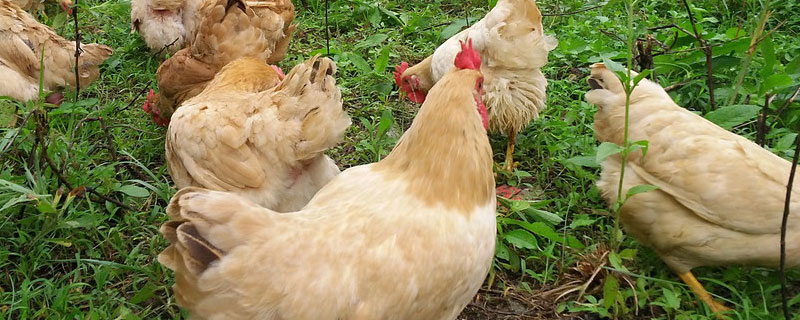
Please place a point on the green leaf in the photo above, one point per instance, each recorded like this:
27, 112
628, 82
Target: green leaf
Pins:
584, 161
641, 76
383, 61
776, 82
452, 29
358, 61
786, 142
134, 191
730, 116
618, 69
144, 293
59, 20
640, 144
605, 150
671, 298
610, 290
639, 189
372, 41
544, 230
544, 216
385, 123
501, 251
521, 239
616, 261
628, 254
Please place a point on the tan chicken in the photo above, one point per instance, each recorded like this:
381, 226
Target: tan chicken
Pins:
22, 40
720, 198
172, 25
229, 31
38, 5
409, 237
244, 135
514, 48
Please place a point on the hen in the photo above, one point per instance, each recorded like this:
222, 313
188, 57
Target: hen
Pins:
38, 5
514, 47
23, 39
720, 198
230, 30
424, 215
244, 135
173, 24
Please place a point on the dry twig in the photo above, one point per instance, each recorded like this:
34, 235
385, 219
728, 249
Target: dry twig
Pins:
709, 56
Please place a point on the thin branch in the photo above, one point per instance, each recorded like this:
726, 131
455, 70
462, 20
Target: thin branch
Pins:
787, 202
574, 12
165, 47
78, 51
676, 85
709, 56
786, 105
109, 140
41, 124
327, 31
761, 125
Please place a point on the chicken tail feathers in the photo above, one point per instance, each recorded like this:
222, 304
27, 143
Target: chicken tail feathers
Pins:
190, 246
204, 226
310, 95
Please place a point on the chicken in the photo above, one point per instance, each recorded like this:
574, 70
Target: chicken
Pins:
720, 197
165, 24
230, 30
244, 135
38, 5
409, 237
511, 40
172, 25
23, 39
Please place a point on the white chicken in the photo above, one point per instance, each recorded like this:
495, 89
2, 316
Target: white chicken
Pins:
720, 196
512, 43
409, 237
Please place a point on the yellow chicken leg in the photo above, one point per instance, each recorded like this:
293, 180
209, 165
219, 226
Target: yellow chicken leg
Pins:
512, 140
702, 294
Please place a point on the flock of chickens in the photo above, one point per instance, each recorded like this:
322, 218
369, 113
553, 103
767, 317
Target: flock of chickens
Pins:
265, 226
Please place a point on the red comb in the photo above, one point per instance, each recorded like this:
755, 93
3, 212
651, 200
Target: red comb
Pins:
150, 95
398, 73
468, 58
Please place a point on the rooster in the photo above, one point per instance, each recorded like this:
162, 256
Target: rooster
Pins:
720, 196
23, 40
511, 40
425, 214
244, 135
231, 30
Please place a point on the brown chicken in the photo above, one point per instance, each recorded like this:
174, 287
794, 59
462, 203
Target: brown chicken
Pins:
244, 135
409, 237
23, 39
511, 41
38, 5
172, 25
230, 30
720, 196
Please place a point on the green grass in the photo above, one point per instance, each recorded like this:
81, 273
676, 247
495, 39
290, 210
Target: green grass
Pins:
69, 257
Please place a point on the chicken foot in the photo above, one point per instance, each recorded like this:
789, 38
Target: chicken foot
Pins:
716, 307
512, 140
